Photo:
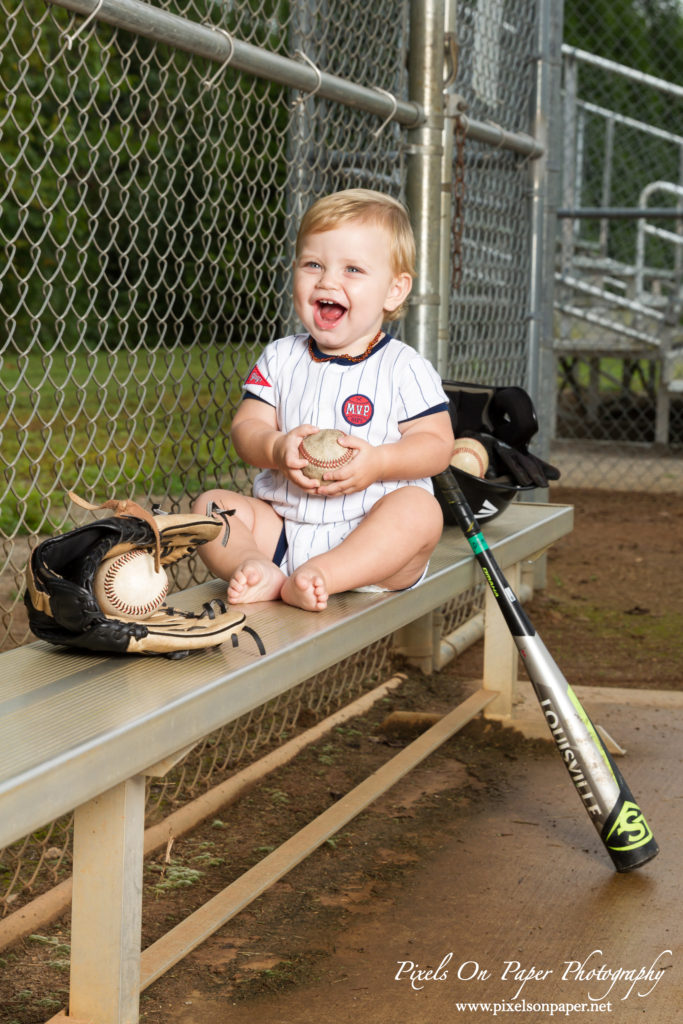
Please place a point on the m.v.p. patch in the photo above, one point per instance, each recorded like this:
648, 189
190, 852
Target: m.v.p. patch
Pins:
357, 410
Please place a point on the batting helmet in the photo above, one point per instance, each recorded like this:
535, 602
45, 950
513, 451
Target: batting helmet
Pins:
504, 420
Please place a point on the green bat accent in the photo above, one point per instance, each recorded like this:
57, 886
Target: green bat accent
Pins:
478, 543
589, 725
631, 822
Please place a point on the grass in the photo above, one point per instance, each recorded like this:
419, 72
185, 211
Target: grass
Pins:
611, 369
652, 633
143, 422
61, 951
174, 876
278, 796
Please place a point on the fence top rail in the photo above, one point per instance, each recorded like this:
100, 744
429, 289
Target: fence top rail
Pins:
218, 45
493, 134
583, 56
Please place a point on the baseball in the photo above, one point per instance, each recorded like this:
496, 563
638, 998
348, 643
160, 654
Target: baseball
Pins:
127, 586
323, 453
470, 456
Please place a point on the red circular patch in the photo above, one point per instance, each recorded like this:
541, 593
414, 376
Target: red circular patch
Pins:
357, 410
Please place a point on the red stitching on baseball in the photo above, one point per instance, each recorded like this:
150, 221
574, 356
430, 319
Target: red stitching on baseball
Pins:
326, 463
111, 595
471, 451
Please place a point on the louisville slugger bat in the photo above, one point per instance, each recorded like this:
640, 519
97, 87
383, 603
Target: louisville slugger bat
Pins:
605, 796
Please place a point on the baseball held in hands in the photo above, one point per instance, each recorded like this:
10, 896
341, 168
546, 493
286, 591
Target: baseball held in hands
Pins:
324, 453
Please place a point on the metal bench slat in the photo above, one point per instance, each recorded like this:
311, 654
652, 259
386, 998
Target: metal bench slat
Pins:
73, 725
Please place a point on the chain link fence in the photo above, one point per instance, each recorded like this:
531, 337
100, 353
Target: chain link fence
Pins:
619, 280
149, 204
489, 309
154, 172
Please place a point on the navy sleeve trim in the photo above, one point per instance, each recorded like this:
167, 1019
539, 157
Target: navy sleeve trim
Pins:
443, 407
257, 398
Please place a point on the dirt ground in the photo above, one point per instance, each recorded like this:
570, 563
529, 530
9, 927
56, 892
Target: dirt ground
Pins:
612, 610
611, 616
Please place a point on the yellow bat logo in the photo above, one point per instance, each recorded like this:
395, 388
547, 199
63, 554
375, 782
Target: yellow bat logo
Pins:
629, 828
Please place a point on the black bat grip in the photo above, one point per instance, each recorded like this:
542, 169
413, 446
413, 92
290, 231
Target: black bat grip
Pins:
512, 611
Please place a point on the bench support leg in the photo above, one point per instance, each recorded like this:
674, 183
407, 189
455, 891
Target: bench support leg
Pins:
418, 643
501, 658
107, 906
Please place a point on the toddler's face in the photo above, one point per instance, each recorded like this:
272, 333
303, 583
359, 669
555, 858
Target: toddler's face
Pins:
343, 282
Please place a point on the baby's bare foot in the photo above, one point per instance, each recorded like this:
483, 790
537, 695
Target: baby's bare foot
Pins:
306, 589
255, 581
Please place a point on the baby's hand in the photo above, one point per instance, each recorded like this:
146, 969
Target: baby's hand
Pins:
364, 469
287, 457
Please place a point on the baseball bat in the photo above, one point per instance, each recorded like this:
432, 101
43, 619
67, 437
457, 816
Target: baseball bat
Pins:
605, 796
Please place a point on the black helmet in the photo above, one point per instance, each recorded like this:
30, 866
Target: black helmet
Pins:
488, 497
504, 420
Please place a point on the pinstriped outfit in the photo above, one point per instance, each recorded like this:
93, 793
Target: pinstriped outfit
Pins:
370, 399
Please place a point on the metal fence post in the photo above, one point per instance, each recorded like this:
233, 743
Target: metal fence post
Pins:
423, 186
570, 196
545, 183
447, 205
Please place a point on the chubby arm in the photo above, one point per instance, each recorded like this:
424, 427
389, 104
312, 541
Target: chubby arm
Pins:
425, 449
259, 442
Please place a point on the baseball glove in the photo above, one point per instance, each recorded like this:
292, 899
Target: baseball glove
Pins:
62, 607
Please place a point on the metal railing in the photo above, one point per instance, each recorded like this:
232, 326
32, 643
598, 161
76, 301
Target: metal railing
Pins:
619, 283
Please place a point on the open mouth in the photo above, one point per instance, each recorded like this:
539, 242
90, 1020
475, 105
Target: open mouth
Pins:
328, 313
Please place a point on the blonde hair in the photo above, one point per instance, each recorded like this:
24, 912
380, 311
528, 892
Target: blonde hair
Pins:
364, 204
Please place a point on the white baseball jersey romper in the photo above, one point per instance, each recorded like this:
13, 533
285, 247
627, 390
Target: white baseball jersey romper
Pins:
369, 399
